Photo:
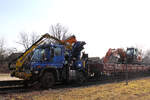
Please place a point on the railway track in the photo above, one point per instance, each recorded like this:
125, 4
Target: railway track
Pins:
11, 86
18, 89
7, 87
10, 83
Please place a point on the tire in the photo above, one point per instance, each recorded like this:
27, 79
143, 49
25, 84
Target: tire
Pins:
47, 80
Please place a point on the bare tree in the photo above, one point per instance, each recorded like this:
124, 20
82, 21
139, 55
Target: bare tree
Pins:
27, 40
146, 58
2, 46
5, 53
34, 37
2, 50
59, 31
9, 51
24, 40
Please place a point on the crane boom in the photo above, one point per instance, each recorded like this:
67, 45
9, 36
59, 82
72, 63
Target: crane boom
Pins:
115, 52
21, 59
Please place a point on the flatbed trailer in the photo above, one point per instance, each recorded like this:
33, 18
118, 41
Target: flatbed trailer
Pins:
121, 68
99, 70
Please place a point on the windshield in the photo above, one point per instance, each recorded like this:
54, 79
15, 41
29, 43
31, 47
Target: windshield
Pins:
130, 51
38, 55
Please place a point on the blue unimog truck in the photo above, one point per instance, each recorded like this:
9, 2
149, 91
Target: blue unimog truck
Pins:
49, 63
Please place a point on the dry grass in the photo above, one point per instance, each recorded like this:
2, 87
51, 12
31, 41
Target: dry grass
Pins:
136, 90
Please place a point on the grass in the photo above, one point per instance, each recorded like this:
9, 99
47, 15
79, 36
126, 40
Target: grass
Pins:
135, 90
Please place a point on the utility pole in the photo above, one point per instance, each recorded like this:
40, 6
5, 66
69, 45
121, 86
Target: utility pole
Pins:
126, 73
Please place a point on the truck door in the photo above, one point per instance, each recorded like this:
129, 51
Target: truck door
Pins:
57, 56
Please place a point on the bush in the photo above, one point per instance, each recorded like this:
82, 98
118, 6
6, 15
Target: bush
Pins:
4, 68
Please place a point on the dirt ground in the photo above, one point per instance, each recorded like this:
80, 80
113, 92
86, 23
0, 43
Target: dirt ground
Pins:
4, 77
135, 90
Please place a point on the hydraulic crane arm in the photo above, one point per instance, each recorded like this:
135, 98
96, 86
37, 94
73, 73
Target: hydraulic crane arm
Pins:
115, 52
69, 41
21, 59
17, 64
108, 54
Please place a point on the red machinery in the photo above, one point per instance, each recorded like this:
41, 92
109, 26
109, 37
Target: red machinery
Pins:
115, 61
130, 56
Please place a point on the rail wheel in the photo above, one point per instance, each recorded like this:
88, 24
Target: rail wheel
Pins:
25, 84
47, 80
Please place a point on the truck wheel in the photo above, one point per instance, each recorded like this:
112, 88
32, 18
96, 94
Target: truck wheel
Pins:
47, 80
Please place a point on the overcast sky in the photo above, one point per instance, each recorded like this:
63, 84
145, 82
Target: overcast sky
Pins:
102, 24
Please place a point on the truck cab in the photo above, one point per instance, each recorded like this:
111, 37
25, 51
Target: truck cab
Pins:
132, 54
48, 55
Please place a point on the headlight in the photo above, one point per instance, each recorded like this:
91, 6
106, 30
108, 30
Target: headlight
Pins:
36, 72
79, 65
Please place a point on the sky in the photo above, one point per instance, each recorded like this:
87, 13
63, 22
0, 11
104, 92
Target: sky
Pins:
102, 24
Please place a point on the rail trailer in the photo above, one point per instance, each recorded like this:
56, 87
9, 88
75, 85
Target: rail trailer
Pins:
118, 62
101, 71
